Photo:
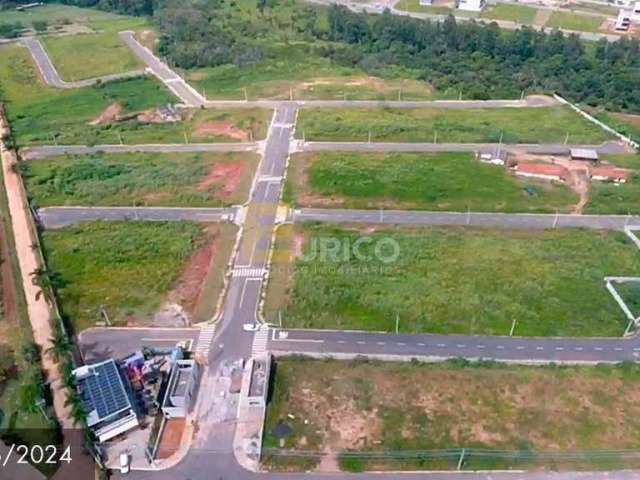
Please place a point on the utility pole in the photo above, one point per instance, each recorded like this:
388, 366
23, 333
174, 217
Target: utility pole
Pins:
186, 139
500, 145
566, 138
246, 95
369, 141
513, 327
461, 460
280, 317
397, 323
120, 139
555, 219
435, 136
468, 215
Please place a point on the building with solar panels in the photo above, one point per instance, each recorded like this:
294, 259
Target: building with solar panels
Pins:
106, 399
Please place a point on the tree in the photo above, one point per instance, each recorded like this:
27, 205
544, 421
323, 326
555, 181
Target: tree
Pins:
60, 345
10, 30
74, 402
40, 26
7, 362
30, 390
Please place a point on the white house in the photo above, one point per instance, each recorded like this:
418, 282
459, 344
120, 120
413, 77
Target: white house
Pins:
426, 3
627, 16
472, 5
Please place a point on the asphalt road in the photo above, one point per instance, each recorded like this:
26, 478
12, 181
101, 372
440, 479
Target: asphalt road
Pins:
101, 343
171, 79
416, 217
58, 217
542, 149
505, 24
388, 346
52, 78
32, 153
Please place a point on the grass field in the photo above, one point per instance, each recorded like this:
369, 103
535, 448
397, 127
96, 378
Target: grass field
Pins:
298, 70
431, 181
515, 125
87, 56
42, 115
450, 280
623, 199
59, 14
373, 406
510, 12
126, 268
414, 6
176, 179
574, 21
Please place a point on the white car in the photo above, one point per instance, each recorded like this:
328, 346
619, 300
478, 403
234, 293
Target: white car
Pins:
251, 327
125, 464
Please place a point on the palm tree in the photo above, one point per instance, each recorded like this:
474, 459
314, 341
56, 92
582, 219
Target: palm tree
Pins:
60, 345
40, 278
78, 415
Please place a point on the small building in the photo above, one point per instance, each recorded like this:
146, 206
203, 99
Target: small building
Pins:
181, 389
584, 154
472, 5
543, 171
106, 399
426, 2
609, 174
28, 6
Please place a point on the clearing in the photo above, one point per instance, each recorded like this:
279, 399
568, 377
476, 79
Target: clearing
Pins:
449, 280
300, 71
334, 406
149, 273
510, 12
575, 21
125, 179
429, 181
513, 125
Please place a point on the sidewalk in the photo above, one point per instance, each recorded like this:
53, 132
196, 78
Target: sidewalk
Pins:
37, 307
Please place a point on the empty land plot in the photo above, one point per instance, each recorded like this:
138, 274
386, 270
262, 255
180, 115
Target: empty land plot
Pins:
127, 269
373, 406
58, 15
38, 113
110, 113
173, 179
299, 71
575, 21
87, 56
622, 199
513, 125
449, 279
510, 12
432, 181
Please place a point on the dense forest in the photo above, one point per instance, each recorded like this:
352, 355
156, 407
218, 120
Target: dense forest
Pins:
479, 59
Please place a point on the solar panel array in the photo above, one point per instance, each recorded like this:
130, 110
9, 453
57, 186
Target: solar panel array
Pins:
103, 391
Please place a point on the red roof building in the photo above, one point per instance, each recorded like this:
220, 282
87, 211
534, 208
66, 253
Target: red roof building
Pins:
542, 170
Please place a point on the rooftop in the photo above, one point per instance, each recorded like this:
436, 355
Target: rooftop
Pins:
542, 169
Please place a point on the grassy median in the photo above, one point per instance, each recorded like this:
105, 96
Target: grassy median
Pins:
333, 406
429, 181
449, 279
512, 125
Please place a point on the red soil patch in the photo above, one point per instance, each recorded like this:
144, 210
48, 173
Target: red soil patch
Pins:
222, 128
171, 437
225, 174
8, 285
109, 114
188, 287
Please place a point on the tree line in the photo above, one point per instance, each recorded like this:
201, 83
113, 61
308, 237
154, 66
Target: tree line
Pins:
486, 62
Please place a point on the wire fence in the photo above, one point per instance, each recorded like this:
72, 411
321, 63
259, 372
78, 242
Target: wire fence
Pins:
462, 458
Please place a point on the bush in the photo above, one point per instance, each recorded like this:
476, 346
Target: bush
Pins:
10, 30
7, 362
40, 26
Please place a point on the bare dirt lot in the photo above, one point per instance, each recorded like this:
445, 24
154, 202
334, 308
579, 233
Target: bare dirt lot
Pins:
376, 406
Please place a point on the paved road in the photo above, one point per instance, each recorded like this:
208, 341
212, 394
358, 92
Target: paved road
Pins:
542, 149
30, 153
386, 346
363, 7
58, 217
171, 79
416, 217
100, 343
52, 78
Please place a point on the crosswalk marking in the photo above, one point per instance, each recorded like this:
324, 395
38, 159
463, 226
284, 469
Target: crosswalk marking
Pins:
205, 339
248, 272
260, 340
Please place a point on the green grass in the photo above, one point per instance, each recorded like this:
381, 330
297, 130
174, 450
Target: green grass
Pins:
300, 70
124, 267
622, 199
515, 125
574, 21
431, 181
57, 14
453, 280
510, 12
140, 179
41, 115
374, 406
87, 56
414, 6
